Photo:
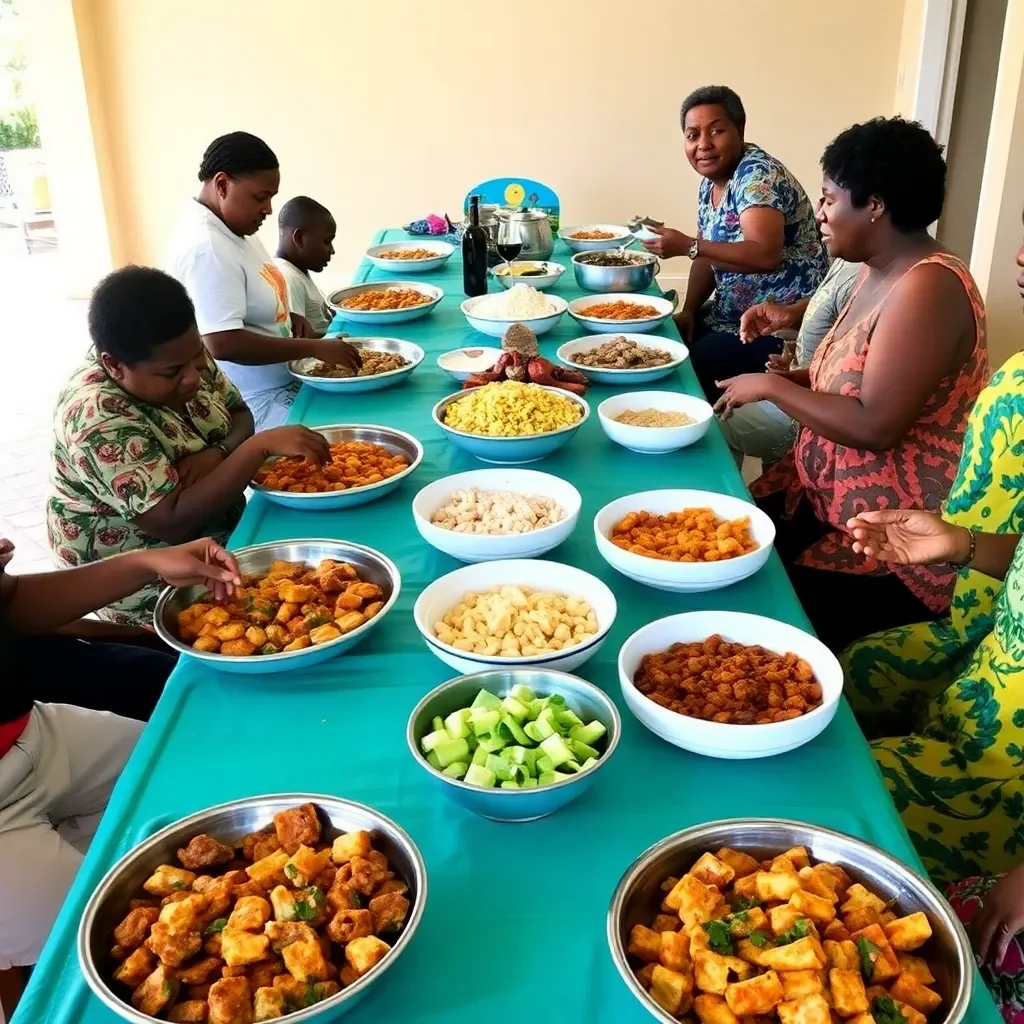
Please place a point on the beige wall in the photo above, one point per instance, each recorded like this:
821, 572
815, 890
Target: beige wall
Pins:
388, 111
998, 233
908, 60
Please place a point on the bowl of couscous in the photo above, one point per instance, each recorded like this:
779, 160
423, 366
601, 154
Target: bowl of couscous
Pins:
508, 423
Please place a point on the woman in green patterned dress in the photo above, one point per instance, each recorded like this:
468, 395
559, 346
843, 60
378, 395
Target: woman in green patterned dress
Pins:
943, 702
153, 445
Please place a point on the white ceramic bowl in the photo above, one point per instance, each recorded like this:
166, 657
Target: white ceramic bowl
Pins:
441, 596
510, 451
375, 255
621, 235
541, 281
386, 316
718, 739
488, 357
683, 577
481, 547
655, 440
578, 311
413, 355
496, 328
676, 349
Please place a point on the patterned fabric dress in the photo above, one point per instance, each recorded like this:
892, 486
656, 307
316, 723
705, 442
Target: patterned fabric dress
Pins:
950, 694
839, 482
1004, 980
761, 181
113, 459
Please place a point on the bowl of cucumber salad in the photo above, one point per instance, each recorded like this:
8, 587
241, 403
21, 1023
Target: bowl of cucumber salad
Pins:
514, 744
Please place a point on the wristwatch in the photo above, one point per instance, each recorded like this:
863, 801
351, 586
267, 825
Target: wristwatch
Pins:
692, 252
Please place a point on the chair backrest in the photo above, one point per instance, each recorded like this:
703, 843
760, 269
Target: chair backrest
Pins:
516, 192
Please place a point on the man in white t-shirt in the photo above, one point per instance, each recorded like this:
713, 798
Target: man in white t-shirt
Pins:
240, 296
306, 244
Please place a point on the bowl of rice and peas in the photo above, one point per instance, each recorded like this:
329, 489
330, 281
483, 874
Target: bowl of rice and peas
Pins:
509, 423
521, 304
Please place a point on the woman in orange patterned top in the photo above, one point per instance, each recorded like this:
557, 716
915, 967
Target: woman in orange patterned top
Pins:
883, 407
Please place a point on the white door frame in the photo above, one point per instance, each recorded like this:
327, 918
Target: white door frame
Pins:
942, 36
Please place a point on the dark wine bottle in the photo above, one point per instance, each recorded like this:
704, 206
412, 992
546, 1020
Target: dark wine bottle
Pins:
474, 253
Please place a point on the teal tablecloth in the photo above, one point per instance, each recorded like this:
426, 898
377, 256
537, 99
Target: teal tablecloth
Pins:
515, 918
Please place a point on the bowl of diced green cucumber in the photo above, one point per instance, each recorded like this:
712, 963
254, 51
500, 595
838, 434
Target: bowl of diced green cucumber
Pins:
514, 744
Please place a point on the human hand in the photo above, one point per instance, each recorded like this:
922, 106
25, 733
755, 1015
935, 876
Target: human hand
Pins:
909, 537
6, 551
782, 362
741, 390
301, 327
1000, 918
338, 352
294, 440
669, 243
192, 468
198, 563
764, 320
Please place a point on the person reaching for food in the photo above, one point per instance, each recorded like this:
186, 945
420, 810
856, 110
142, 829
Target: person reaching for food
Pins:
306, 244
59, 762
240, 295
153, 445
756, 240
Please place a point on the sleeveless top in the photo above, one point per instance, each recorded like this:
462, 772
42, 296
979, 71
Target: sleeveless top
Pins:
840, 482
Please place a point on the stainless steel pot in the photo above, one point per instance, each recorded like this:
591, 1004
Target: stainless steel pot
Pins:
534, 232
593, 278
638, 895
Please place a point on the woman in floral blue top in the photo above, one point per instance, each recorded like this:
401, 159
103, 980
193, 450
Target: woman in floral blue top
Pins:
756, 241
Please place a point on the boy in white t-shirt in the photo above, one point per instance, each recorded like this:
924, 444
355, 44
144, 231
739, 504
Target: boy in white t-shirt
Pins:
305, 243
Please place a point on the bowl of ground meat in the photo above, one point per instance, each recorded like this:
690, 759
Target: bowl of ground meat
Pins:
624, 358
729, 684
385, 362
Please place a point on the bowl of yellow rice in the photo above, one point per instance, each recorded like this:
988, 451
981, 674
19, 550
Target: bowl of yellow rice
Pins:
509, 423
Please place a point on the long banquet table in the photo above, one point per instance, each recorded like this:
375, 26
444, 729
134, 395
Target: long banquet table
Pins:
515, 917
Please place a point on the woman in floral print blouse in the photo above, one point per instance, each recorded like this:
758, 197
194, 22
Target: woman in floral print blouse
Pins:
153, 445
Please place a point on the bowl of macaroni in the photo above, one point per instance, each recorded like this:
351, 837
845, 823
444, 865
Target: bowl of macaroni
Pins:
515, 612
487, 514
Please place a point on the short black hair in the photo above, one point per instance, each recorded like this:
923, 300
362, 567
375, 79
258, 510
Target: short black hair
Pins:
718, 96
300, 212
237, 154
896, 160
135, 309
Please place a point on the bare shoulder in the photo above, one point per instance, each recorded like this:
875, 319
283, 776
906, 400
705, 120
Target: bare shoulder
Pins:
932, 292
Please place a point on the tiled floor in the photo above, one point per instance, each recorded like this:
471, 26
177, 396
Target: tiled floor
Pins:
45, 336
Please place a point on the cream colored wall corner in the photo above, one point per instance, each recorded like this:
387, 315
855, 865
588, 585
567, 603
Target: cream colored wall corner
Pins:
381, 126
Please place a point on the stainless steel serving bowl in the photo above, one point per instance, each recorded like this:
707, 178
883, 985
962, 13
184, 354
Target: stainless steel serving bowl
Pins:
372, 566
514, 805
593, 278
413, 354
638, 895
395, 441
229, 822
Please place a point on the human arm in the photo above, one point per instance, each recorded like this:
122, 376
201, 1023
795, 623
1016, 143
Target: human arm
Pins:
43, 602
765, 319
918, 339
181, 511
1000, 918
758, 252
251, 349
916, 537
192, 468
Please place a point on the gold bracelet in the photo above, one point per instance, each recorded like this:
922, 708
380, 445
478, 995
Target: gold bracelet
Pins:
970, 554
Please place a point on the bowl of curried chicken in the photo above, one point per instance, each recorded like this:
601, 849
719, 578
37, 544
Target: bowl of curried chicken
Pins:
301, 601
288, 905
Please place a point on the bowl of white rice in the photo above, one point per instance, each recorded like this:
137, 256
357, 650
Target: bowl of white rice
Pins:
493, 314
